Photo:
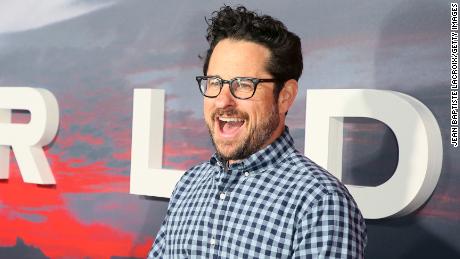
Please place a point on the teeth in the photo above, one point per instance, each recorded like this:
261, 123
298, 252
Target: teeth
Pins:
230, 119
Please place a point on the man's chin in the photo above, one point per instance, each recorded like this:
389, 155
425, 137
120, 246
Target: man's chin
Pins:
229, 148
225, 152
229, 151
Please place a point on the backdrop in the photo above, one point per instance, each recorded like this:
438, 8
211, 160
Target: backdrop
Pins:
91, 54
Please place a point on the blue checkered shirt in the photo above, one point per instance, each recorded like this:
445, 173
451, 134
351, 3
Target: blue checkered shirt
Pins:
275, 204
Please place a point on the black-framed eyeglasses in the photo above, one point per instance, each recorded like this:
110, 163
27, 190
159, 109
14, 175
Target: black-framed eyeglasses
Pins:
240, 87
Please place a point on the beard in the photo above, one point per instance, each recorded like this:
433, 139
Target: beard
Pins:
256, 138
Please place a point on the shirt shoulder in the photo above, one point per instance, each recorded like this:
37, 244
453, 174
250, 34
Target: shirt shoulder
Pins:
192, 177
310, 178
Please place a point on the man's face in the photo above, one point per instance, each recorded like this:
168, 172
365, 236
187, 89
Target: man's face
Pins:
239, 128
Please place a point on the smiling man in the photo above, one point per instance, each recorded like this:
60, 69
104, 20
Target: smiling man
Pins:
240, 121
257, 197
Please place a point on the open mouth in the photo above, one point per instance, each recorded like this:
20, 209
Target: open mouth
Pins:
229, 126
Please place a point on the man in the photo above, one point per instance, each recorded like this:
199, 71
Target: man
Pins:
257, 197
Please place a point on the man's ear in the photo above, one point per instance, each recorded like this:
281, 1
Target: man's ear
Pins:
287, 95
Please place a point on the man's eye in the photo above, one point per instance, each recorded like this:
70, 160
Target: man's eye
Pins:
245, 85
213, 83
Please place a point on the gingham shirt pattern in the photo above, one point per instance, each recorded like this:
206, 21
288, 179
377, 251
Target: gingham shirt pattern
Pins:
275, 204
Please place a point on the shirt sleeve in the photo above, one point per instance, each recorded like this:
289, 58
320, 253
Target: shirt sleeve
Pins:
159, 245
332, 228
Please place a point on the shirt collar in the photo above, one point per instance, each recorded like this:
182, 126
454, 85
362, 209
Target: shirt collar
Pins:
267, 156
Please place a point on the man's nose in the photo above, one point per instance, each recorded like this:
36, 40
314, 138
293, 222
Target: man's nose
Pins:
225, 98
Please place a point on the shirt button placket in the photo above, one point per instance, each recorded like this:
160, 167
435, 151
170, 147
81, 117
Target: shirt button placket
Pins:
221, 196
212, 241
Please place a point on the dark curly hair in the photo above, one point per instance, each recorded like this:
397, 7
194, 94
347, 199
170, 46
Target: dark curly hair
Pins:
241, 24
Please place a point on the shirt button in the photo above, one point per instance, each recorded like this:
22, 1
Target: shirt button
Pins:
246, 174
222, 195
212, 241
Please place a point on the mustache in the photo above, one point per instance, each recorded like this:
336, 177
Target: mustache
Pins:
229, 112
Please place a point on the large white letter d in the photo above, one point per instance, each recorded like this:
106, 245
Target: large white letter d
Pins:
417, 133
